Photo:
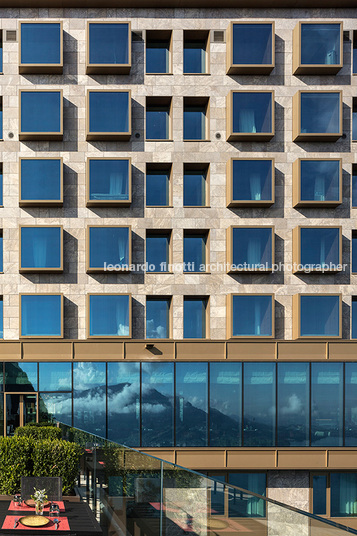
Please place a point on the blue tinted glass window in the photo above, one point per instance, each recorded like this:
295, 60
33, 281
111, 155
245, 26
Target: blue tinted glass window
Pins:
55, 376
354, 186
158, 252
259, 405
1, 253
191, 404
158, 404
252, 316
1, 319
354, 120
319, 488
320, 44
41, 315
327, 404
157, 55
252, 44
354, 251
157, 122
41, 247
41, 111
243, 505
109, 315
293, 404
1, 55
252, 112
40, 179
343, 494
109, 111
194, 252
1, 186
157, 188
194, 122
55, 407
1, 120
351, 394
320, 247
252, 180
194, 56
108, 245
194, 318
109, 180
109, 43
89, 397
225, 404
40, 43
354, 59
319, 316
124, 403
252, 246
157, 318
320, 180
320, 113
194, 188
21, 377
354, 317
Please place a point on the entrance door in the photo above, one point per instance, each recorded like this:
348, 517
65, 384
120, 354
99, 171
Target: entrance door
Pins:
20, 409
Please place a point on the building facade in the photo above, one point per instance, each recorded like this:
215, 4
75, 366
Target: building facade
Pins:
179, 192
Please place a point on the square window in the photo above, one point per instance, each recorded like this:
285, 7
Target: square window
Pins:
109, 181
317, 115
251, 48
41, 115
108, 248
41, 47
317, 249
317, 182
317, 315
109, 315
250, 116
108, 115
108, 47
252, 315
195, 251
158, 112
250, 182
195, 185
317, 48
158, 51
195, 118
195, 313
250, 249
158, 185
41, 249
41, 315
158, 317
41, 181
158, 255
195, 53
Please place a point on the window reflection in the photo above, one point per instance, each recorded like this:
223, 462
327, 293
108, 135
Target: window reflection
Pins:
343, 494
252, 44
252, 180
55, 376
109, 180
252, 316
194, 187
351, 404
109, 43
320, 180
252, 112
41, 111
243, 504
89, 397
157, 318
320, 316
55, 407
109, 315
320, 247
41, 247
194, 317
21, 377
225, 404
252, 247
157, 187
108, 245
41, 315
320, 44
40, 43
320, 113
109, 111
40, 179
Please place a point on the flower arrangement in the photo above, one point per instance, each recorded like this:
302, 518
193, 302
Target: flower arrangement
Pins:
39, 497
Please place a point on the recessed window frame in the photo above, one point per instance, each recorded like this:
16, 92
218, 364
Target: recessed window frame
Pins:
93, 270
157, 102
207, 315
107, 136
314, 136
42, 202
354, 119
230, 249
24, 270
159, 297
157, 36
200, 233
298, 67
41, 136
297, 317
108, 202
230, 298
249, 136
160, 166
41, 68
159, 232
89, 336
205, 103
242, 68
353, 239
297, 201
253, 202
192, 36
41, 336
108, 68
297, 248
204, 167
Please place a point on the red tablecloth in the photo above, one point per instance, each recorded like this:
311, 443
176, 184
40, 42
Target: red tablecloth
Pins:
25, 508
10, 520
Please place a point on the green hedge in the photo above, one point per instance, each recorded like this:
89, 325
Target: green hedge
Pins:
15, 462
39, 432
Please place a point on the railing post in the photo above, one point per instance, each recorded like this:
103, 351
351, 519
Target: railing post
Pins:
161, 496
95, 477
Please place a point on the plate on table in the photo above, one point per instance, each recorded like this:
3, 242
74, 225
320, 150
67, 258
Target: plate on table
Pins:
34, 521
31, 502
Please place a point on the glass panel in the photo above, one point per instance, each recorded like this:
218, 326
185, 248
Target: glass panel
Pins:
320, 44
1, 254
354, 252
293, 404
191, 404
1, 318
89, 397
40, 179
225, 404
41, 315
343, 494
55, 376
109, 180
157, 122
320, 180
252, 316
158, 404
1, 70
252, 112
41, 111
259, 405
218, 494
320, 247
354, 186
194, 56
21, 377
157, 188
194, 253
194, 188
354, 52
158, 252
41, 247
252, 44
1, 118
1, 415
354, 120
194, 122
194, 318
124, 403
319, 488
109, 111
252, 180
157, 56
12, 414
326, 404
29, 409
1, 186
40, 43
109, 43
55, 407
108, 245
320, 316
320, 113
252, 247
109, 315
351, 400
244, 505
157, 318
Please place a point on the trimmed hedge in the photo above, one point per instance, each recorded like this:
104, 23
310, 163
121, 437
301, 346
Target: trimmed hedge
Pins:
15, 458
39, 432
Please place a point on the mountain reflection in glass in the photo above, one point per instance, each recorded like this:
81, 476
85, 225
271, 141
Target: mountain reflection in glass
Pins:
225, 404
89, 397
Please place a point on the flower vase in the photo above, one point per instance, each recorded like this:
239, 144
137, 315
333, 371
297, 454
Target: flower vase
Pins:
39, 508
